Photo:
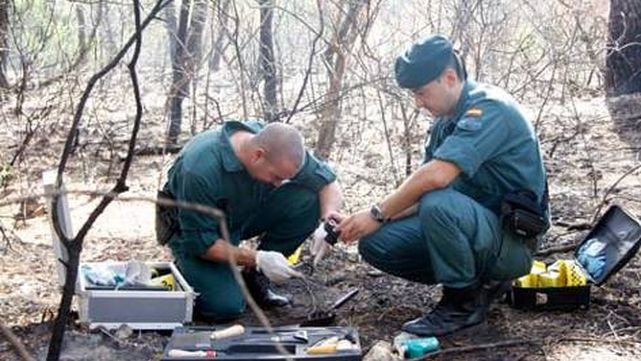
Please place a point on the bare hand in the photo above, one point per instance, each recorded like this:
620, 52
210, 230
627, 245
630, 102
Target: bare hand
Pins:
335, 216
357, 226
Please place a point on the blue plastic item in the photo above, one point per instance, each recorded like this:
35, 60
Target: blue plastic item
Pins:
418, 347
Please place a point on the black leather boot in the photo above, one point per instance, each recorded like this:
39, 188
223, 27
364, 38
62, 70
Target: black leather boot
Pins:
259, 287
495, 290
459, 308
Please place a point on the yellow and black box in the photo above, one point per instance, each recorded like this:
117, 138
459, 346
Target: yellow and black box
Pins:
565, 284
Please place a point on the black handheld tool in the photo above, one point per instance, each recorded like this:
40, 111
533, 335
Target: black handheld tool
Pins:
332, 233
325, 318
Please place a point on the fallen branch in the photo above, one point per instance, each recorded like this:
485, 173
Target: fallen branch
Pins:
464, 349
553, 250
510, 343
15, 342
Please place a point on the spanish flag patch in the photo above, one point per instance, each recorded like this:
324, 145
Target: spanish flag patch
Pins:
474, 112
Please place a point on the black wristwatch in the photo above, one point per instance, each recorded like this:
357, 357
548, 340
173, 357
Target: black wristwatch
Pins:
377, 214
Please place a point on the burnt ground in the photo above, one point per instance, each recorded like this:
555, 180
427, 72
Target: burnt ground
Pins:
587, 162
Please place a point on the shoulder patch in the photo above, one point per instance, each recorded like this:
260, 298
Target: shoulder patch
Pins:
469, 123
474, 112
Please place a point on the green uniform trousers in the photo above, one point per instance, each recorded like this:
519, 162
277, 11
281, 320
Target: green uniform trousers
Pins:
452, 240
287, 216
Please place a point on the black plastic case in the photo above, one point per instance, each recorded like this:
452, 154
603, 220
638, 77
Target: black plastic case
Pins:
617, 235
256, 343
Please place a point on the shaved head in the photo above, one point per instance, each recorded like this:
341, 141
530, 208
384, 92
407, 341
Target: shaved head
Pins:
282, 143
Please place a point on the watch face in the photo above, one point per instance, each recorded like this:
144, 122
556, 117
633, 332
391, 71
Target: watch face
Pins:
376, 213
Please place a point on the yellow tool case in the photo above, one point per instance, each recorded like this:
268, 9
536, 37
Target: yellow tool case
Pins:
565, 284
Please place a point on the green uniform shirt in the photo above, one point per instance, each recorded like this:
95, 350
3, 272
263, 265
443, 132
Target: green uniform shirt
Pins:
208, 172
492, 142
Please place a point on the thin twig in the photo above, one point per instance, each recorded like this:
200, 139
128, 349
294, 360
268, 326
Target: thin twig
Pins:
15, 342
610, 189
310, 62
553, 250
464, 349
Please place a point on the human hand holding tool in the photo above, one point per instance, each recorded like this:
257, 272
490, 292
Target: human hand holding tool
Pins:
324, 237
358, 226
275, 266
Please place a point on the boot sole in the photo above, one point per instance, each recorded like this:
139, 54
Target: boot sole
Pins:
465, 331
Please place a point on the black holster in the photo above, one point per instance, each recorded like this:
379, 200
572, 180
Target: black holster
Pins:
522, 215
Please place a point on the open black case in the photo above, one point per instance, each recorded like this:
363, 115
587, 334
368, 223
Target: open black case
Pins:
257, 343
612, 242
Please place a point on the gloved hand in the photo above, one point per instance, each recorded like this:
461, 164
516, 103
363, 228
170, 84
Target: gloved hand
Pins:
275, 266
324, 237
319, 245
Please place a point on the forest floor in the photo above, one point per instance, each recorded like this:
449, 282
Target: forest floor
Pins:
585, 158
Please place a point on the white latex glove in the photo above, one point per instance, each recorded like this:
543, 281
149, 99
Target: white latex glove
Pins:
275, 266
319, 246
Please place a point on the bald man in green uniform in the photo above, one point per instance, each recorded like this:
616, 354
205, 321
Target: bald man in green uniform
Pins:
444, 223
268, 185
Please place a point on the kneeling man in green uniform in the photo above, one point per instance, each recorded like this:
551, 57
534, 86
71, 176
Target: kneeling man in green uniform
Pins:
268, 185
444, 223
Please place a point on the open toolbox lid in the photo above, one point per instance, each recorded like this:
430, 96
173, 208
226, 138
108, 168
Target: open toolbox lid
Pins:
612, 242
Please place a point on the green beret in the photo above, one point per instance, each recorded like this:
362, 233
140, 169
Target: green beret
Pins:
423, 62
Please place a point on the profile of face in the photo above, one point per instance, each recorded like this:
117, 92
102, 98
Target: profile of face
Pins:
264, 170
437, 96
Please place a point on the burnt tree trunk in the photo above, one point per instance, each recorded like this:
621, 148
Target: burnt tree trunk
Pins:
623, 61
268, 68
623, 69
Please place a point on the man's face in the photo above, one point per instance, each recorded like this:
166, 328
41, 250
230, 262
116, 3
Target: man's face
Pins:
436, 96
274, 173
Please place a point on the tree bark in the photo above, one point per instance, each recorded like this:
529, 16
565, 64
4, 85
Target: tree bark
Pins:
4, 42
336, 57
623, 61
194, 49
185, 62
178, 90
267, 65
218, 48
172, 28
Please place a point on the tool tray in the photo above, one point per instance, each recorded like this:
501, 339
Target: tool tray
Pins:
256, 343
613, 241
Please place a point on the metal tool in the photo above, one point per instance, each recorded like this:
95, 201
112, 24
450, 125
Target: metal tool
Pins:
289, 337
323, 318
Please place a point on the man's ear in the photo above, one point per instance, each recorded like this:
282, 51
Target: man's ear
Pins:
450, 76
257, 154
